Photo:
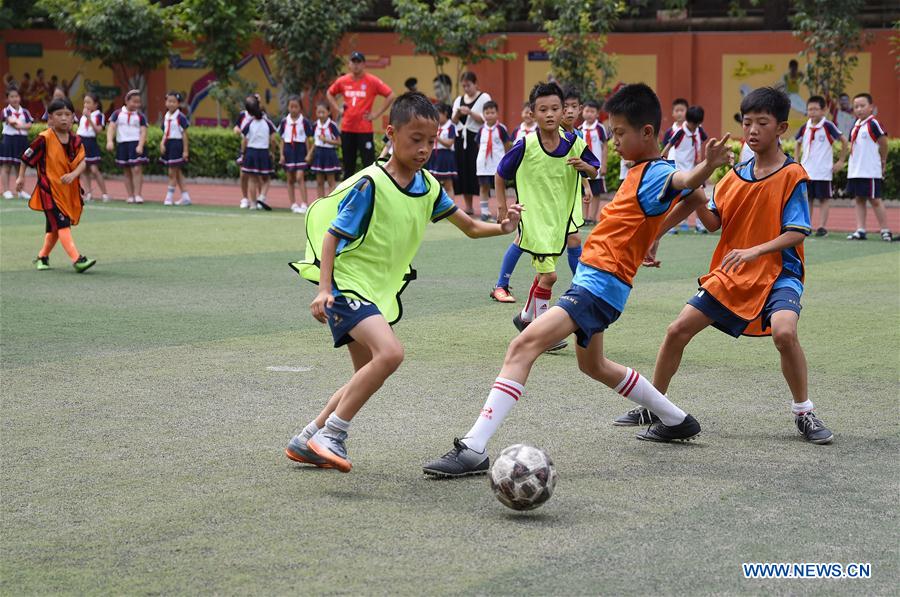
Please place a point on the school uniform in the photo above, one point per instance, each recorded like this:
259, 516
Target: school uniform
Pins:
442, 163
14, 141
686, 147
294, 134
491, 149
256, 157
128, 134
88, 135
325, 158
595, 137
240, 122
174, 125
817, 158
523, 129
670, 132
864, 175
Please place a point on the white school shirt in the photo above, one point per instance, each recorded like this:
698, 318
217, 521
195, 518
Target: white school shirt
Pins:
327, 128
293, 130
686, 147
445, 131
128, 125
21, 114
746, 153
259, 132
174, 124
815, 142
595, 137
486, 163
84, 127
865, 161
523, 130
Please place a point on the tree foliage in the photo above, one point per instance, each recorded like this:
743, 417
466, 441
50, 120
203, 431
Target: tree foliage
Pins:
304, 36
576, 35
130, 37
221, 31
832, 35
446, 29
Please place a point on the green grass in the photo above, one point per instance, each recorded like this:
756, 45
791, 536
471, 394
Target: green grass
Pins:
142, 433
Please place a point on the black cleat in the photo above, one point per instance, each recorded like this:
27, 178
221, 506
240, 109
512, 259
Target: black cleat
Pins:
636, 416
821, 232
659, 432
813, 429
461, 461
521, 325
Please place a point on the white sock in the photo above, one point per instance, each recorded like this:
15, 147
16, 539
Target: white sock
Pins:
309, 431
184, 195
484, 208
798, 408
335, 423
638, 389
169, 192
503, 396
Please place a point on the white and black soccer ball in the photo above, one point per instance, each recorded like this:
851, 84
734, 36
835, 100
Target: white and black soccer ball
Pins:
523, 477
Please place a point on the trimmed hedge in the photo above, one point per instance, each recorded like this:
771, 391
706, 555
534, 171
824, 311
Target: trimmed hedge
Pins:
213, 151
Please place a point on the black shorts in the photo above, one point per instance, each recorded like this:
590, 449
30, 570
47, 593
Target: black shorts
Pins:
868, 188
819, 189
486, 180
779, 299
344, 315
56, 219
598, 186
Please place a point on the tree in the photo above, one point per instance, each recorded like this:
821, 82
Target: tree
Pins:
304, 36
129, 37
832, 36
576, 34
449, 29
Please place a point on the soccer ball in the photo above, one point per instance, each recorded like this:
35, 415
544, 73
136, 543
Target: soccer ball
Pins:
523, 477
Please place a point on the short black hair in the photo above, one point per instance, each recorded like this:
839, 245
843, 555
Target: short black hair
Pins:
251, 105
793, 63
294, 98
443, 109
817, 99
545, 90
638, 104
60, 103
592, 104
444, 78
412, 104
865, 95
410, 82
680, 101
694, 114
571, 92
767, 100
490, 105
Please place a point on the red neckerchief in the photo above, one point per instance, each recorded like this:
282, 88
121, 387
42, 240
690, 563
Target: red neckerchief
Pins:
856, 128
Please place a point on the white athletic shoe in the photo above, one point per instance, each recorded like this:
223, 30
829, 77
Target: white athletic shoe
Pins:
24, 195
296, 209
245, 203
185, 200
105, 198
168, 201
8, 195
129, 200
303, 209
138, 199
88, 197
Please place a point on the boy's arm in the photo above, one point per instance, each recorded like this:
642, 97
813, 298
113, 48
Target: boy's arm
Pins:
79, 169
883, 152
718, 153
110, 135
478, 229
325, 297
500, 190
696, 201
588, 195
20, 179
842, 160
604, 154
785, 240
583, 167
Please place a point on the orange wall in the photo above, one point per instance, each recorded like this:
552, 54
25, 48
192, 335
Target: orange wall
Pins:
682, 64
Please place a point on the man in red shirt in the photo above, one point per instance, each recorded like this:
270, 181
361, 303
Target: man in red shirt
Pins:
359, 89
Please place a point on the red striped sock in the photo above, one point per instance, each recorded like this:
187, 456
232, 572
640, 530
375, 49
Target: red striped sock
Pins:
504, 394
528, 310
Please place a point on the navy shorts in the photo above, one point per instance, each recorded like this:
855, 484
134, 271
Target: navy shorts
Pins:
598, 186
344, 315
870, 188
590, 313
780, 299
486, 180
819, 189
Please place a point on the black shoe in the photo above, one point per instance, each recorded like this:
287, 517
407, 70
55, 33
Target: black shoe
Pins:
522, 324
636, 416
461, 461
659, 432
813, 429
263, 205
887, 236
821, 232
858, 235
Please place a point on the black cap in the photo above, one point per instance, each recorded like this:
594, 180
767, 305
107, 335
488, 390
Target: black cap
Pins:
357, 57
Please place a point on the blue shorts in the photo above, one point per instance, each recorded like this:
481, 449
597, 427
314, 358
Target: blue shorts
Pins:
780, 299
598, 186
590, 313
868, 188
344, 315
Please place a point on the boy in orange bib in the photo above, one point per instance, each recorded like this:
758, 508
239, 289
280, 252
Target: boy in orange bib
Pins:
756, 275
58, 157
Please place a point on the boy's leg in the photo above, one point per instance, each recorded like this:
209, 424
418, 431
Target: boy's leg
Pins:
484, 196
690, 322
469, 455
507, 267
68, 243
860, 210
881, 216
49, 242
573, 250
95, 171
538, 297
794, 367
467, 203
824, 207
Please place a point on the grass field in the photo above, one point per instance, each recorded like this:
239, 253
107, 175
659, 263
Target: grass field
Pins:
143, 433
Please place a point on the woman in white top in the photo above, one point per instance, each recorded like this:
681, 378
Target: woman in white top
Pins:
467, 117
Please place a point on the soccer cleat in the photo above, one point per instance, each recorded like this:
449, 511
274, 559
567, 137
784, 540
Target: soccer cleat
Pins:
84, 264
887, 236
298, 451
636, 416
42, 263
660, 432
821, 232
329, 445
812, 428
461, 461
8, 195
502, 295
858, 235
184, 201
521, 324
138, 200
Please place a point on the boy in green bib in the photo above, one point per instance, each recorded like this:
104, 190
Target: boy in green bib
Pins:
546, 165
361, 240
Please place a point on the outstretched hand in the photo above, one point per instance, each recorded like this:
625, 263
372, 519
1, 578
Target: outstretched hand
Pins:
718, 153
511, 221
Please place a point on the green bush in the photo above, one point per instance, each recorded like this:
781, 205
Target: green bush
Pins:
891, 188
